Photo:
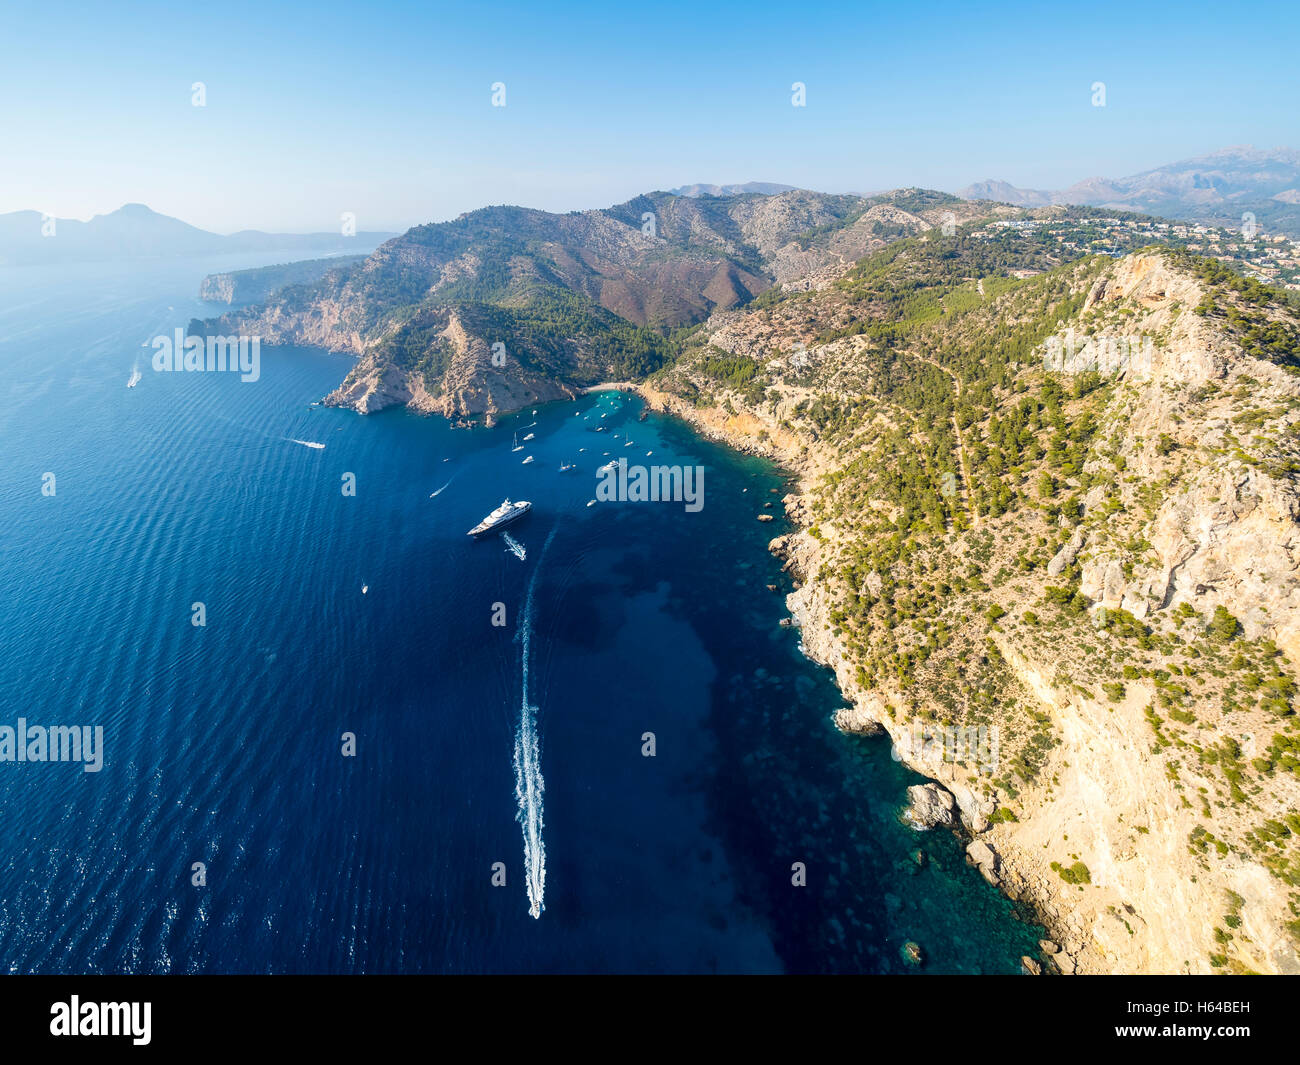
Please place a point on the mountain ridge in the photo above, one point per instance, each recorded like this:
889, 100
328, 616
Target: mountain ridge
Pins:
574, 298
1219, 187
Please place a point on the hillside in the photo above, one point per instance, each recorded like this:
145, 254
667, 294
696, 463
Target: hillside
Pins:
1062, 508
569, 300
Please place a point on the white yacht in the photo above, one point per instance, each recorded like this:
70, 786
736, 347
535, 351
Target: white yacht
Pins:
504, 515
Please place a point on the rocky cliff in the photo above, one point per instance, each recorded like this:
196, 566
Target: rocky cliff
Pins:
251, 286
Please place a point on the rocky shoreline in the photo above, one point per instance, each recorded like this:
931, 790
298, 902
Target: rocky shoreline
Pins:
1067, 950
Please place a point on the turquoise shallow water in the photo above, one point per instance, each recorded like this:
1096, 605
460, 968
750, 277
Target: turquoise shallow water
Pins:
223, 743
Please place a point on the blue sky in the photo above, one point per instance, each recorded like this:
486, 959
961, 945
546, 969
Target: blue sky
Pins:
384, 109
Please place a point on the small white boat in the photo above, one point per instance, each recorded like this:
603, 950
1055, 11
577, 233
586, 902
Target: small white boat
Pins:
527, 460
365, 588
514, 546
566, 466
518, 446
591, 502
530, 436
608, 467
135, 378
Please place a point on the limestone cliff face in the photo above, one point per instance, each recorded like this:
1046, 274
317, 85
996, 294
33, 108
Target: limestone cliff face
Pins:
327, 324
1223, 529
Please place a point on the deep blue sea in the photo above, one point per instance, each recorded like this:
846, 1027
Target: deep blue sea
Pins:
224, 743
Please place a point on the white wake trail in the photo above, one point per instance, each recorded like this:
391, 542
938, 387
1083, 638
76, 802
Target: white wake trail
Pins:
514, 546
529, 785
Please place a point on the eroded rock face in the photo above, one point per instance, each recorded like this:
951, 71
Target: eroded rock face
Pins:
931, 807
470, 385
1066, 555
1223, 530
985, 858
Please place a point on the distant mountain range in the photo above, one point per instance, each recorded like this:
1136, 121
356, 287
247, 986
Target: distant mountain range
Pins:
763, 188
1216, 189
135, 232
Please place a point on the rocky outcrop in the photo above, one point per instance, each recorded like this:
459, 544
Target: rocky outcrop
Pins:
929, 807
1066, 555
985, 859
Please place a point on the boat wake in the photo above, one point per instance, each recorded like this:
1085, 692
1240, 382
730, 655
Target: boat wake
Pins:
514, 546
529, 785
434, 495
306, 443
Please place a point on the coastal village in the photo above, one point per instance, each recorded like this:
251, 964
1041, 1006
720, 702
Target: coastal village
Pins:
1268, 258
